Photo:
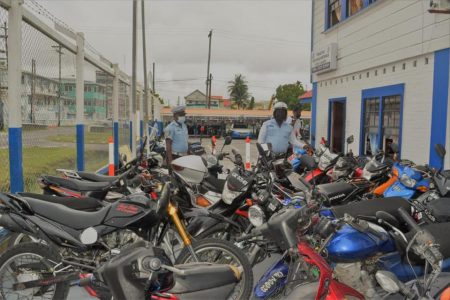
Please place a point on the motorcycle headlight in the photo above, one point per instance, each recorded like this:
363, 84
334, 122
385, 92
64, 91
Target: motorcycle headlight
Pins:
256, 215
408, 182
340, 163
228, 195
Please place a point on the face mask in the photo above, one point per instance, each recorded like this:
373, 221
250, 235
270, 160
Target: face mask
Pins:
182, 119
280, 116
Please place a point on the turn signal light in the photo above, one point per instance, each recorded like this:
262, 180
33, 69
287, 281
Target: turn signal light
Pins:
202, 201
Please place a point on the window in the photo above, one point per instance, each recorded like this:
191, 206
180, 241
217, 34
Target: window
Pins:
353, 6
371, 124
334, 12
391, 122
381, 120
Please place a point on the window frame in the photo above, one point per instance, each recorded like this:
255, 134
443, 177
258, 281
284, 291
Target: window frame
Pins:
344, 11
381, 93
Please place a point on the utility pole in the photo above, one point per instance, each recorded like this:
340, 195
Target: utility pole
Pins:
33, 88
58, 49
208, 98
209, 93
154, 92
144, 53
178, 101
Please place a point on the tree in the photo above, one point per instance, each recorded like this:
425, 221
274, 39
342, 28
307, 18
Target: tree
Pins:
238, 90
289, 93
252, 103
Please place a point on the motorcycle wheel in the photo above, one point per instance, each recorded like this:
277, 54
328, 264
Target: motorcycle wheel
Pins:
222, 252
39, 257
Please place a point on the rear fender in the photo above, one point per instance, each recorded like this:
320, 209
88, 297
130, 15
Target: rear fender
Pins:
16, 223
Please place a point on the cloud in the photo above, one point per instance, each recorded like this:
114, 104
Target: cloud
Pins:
267, 41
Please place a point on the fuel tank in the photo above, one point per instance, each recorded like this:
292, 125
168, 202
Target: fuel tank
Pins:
349, 245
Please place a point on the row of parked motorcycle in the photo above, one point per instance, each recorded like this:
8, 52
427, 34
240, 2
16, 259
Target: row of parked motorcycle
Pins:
341, 227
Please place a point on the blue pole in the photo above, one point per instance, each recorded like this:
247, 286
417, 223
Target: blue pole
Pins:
80, 147
116, 143
131, 136
15, 159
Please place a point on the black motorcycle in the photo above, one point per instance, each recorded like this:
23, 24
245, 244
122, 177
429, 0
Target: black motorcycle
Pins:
72, 241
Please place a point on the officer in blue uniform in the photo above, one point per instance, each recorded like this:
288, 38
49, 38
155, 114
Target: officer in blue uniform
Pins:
176, 134
278, 132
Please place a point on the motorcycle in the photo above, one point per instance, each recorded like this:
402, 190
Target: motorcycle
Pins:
306, 274
85, 240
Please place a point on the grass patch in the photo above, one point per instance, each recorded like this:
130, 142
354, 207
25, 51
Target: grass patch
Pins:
89, 138
37, 161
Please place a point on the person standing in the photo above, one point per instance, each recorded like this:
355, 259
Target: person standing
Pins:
176, 134
298, 122
278, 132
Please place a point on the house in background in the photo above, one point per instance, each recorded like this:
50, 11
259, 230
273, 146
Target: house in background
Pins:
380, 72
197, 99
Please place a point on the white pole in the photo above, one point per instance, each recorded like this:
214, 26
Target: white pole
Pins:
115, 101
133, 80
14, 97
80, 100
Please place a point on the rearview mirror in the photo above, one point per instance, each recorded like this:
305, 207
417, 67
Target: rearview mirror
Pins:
388, 281
123, 157
350, 139
440, 150
228, 140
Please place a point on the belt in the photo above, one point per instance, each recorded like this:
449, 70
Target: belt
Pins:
179, 153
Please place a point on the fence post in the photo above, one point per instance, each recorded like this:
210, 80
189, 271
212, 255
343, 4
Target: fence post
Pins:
14, 99
80, 100
115, 103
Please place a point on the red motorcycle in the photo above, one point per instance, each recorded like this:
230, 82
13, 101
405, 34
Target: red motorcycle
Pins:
301, 273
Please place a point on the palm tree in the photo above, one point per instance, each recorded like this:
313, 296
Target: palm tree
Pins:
238, 90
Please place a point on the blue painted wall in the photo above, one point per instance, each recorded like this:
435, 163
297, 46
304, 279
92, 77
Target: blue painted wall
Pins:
313, 113
116, 144
439, 104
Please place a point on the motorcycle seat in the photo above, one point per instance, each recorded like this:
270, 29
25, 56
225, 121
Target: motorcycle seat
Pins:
214, 184
203, 276
97, 178
85, 203
77, 185
63, 215
371, 206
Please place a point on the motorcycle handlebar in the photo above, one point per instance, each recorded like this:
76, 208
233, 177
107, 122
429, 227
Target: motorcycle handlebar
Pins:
408, 220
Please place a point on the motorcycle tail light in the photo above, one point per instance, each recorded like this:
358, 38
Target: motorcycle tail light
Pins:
177, 168
202, 201
422, 188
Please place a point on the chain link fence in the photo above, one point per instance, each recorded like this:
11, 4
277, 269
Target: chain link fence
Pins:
48, 103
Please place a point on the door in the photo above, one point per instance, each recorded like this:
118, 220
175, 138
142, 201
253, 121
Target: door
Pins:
337, 126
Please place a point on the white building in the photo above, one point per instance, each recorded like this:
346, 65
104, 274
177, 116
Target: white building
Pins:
380, 72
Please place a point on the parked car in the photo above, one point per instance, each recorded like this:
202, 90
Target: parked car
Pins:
241, 131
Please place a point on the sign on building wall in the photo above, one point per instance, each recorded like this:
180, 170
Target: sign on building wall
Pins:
324, 60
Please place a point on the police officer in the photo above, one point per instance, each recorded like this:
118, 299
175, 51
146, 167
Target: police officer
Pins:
176, 134
298, 122
278, 132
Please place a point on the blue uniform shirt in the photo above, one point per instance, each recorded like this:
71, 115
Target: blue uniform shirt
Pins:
178, 133
278, 136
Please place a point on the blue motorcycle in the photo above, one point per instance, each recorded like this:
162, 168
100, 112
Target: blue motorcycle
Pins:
410, 181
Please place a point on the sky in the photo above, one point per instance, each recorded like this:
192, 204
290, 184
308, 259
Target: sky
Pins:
267, 41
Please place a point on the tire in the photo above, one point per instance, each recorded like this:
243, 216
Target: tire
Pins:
240, 260
39, 252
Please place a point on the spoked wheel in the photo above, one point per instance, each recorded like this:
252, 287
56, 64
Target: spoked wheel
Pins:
27, 262
222, 252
